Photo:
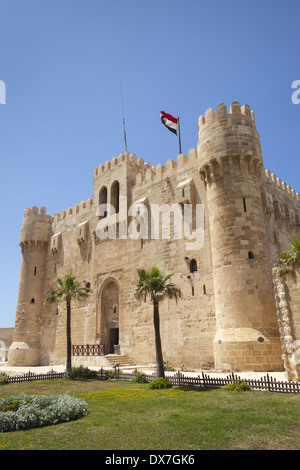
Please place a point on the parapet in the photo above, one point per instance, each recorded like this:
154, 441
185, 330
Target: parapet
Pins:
77, 209
117, 161
237, 113
271, 178
36, 226
229, 139
36, 212
160, 172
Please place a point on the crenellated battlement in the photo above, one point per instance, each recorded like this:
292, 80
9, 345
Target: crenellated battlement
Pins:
237, 114
228, 142
36, 212
172, 168
78, 209
272, 179
36, 227
118, 161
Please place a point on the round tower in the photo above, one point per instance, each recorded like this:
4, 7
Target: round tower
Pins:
230, 163
34, 240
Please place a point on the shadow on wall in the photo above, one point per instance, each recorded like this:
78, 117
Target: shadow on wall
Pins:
6, 338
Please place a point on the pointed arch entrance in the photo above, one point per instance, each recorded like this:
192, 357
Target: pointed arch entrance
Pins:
109, 316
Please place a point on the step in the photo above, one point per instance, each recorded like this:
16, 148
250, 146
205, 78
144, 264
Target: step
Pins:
121, 359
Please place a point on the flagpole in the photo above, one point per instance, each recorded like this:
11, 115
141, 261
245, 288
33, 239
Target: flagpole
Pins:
123, 117
179, 139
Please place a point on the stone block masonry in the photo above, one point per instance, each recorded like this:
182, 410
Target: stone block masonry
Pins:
226, 318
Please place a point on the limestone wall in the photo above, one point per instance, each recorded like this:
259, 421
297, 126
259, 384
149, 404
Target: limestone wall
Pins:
281, 206
223, 174
287, 295
188, 327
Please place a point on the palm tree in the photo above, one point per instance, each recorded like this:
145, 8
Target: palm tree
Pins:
289, 261
67, 290
154, 284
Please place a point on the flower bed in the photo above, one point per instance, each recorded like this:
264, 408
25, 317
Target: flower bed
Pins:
31, 411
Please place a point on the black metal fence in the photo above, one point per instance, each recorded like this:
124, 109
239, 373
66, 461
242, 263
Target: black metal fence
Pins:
178, 379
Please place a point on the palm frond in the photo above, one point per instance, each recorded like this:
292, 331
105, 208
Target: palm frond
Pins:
289, 261
68, 288
153, 283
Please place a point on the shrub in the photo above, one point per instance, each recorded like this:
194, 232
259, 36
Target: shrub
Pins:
3, 378
160, 383
31, 411
168, 366
83, 373
109, 374
238, 385
140, 378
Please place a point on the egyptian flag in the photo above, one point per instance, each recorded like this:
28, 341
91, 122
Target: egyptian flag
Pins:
169, 121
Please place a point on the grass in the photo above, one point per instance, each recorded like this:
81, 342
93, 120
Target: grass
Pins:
127, 416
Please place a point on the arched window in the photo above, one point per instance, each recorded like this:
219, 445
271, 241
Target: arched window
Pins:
115, 195
32, 301
103, 200
193, 266
250, 255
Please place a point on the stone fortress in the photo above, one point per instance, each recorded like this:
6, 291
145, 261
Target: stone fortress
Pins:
230, 314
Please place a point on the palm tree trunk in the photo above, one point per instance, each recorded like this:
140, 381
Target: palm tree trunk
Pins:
69, 343
159, 357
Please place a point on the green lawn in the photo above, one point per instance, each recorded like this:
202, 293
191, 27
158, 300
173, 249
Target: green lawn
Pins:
127, 416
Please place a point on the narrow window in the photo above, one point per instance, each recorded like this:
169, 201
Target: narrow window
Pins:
103, 200
193, 266
115, 195
193, 291
244, 203
35, 271
250, 255
204, 289
55, 269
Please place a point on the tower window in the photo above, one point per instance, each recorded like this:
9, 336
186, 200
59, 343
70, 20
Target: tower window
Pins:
244, 204
32, 301
115, 195
193, 266
34, 271
250, 255
103, 200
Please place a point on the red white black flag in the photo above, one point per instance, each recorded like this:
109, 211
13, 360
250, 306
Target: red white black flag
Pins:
169, 121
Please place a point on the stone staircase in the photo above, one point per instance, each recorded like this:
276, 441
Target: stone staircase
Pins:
121, 359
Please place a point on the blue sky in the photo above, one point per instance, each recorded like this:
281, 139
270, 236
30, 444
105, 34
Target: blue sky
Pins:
63, 60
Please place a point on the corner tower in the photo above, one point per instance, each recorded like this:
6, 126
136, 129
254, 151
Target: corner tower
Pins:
230, 163
34, 240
